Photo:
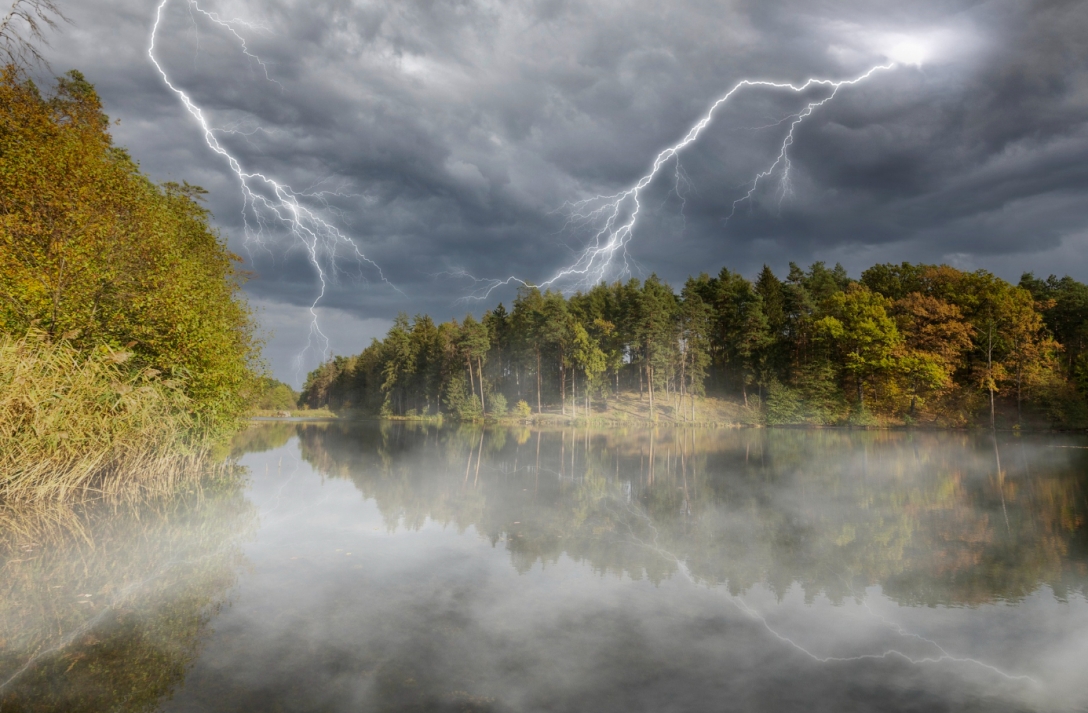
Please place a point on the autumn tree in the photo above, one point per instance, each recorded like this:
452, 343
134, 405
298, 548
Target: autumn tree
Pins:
92, 251
936, 335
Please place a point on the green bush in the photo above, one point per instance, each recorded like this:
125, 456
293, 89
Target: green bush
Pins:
273, 395
784, 405
522, 410
498, 405
470, 409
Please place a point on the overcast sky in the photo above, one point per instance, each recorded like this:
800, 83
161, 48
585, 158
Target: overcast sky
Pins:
453, 137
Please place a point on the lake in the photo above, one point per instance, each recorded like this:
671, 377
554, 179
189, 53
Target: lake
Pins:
406, 567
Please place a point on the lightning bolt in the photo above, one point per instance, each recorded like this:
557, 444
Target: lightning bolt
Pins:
613, 218
267, 201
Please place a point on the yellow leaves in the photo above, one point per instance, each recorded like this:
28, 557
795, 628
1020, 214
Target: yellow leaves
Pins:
94, 253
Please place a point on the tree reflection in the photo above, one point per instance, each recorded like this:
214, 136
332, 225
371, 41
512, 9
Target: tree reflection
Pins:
103, 607
933, 518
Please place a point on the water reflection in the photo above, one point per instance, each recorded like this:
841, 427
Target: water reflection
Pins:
402, 567
103, 606
933, 518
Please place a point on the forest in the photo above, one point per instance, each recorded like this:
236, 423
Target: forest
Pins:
904, 344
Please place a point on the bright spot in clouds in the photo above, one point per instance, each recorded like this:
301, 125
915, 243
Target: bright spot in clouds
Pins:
911, 51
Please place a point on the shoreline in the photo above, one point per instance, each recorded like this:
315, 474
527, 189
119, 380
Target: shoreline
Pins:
549, 422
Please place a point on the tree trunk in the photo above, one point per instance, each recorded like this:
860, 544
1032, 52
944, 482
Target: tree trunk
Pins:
574, 393
990, 372
650, 388
538, 410
1019, 414
471, 380
683, 364
562, 386
480, 371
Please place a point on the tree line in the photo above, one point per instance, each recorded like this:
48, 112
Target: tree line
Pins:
909, 343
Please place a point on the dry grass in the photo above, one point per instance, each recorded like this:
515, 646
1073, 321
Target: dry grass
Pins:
77, 424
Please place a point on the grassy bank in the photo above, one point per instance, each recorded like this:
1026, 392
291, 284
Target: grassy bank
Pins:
76, 423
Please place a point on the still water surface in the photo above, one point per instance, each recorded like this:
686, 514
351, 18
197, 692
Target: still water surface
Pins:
390, 567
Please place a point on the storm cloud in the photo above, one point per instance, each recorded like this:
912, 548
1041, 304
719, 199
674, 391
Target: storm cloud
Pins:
448, 135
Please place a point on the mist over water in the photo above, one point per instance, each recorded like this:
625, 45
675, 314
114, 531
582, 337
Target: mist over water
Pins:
397, 567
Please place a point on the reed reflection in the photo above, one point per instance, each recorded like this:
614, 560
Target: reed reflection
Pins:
104, 606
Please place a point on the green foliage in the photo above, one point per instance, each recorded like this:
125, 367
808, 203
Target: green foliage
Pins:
470, 409
497, 405
92, 251
274, 395
522, 410
862, 337
907, 344
784, 405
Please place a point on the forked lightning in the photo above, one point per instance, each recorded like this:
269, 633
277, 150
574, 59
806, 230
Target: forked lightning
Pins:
266, 200
615, 216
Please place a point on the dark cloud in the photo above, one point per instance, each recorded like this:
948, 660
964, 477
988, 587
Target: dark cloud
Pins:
451, 133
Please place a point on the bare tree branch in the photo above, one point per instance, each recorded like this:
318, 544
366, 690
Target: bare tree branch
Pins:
22, 32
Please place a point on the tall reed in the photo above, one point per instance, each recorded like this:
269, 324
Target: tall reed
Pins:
79, 423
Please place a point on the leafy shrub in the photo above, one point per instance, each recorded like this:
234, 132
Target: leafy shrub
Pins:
498, 404
273, 395
470, 409
522, 410
784, 405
